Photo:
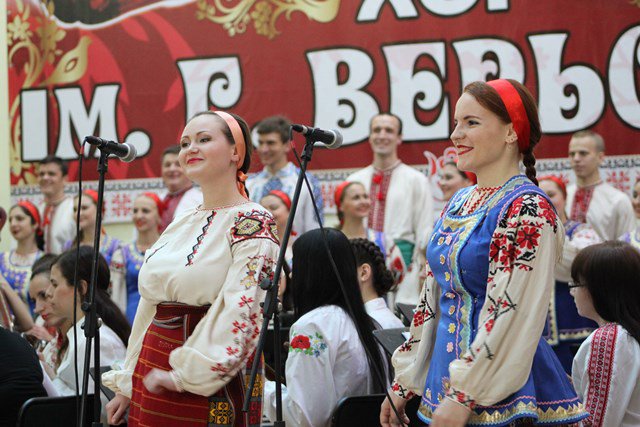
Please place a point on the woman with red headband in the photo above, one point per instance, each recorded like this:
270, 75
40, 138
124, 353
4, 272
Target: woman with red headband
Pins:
147, 218
278, 204
353, 206
199, 318
452, 179
633, 236
88, 210
15, 265
476, 354
566, 329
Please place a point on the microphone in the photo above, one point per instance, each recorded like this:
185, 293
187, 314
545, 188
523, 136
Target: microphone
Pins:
331, 138
125, 152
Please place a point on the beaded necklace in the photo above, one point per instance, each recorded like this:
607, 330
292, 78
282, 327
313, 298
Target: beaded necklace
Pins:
477, 198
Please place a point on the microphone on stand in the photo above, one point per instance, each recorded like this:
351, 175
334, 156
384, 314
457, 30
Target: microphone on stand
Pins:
125, 152
331, 138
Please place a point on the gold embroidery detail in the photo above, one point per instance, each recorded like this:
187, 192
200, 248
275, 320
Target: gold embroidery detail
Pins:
442, 259
452, 328
447, 276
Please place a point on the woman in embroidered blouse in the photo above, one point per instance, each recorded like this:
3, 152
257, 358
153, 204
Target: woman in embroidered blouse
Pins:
566, 329
353, 206
606, 370
633, 236
327, 359
475, 350
147, 214
199, 318
375, 281
15, 265
452, 179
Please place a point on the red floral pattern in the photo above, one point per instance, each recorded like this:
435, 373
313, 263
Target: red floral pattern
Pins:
603, 347
301, 341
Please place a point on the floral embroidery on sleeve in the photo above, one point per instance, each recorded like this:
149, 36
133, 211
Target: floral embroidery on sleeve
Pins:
311, 345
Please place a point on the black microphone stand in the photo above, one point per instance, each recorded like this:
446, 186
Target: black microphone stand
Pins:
92, 322
271, 306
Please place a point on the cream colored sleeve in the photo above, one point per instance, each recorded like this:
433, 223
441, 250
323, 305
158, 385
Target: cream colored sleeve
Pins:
223, 340
411, 359
525, 248
120, 380
118, 285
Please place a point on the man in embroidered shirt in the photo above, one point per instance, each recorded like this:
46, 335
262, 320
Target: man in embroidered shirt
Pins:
606, 209
56, 208
182, 195
401, 201
280, 174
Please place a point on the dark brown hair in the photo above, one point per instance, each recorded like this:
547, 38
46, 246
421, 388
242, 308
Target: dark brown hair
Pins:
275, 124
610, 272
488, 97
368, 252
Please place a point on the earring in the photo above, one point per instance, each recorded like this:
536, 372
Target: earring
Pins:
512, 139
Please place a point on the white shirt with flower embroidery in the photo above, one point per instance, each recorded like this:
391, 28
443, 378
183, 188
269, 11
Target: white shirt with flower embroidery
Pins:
326, 362
214, 257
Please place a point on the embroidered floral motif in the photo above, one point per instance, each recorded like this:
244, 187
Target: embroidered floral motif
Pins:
254, 225
311, 345
461, 397
403, 392
253, 277
581, 202
199, 239
600, 369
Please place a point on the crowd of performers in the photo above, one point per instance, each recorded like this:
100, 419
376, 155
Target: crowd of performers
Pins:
527, 309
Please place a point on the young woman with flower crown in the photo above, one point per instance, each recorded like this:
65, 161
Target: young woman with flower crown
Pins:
475, 352
198, 320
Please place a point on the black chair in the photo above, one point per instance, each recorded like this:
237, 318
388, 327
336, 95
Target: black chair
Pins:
53, 412
358, 411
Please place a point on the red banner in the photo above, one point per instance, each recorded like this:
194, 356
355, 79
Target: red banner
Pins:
134, 70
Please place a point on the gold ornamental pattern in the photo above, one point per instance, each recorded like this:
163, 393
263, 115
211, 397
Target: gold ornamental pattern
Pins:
264, 13
33, 39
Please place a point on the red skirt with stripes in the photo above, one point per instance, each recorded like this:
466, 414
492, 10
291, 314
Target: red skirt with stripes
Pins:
170, 328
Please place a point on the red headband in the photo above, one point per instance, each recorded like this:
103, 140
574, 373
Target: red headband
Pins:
338, 193
93, 194
32, 209
156, 199
241, 148
512, 101
559, 182
282, 196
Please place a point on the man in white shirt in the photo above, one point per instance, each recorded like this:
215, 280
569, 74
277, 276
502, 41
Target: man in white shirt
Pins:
279, 173
401, 201
181, 195
57, 208
606, 209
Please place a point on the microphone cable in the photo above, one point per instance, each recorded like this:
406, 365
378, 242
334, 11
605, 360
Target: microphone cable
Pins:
378, 375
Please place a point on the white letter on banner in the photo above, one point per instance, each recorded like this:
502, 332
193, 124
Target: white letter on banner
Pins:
33, 123
370, 9
569, 99
212, 80
487, 59
74, 119
623, 64
343, 105
448, 7
496, 5
422, 88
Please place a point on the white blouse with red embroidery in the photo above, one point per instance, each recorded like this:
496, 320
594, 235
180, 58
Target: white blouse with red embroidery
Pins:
606, 375
215, 257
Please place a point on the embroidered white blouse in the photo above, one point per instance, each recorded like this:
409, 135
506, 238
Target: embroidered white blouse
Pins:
606, 375
377, 309
326, 362
214, 257
60, 227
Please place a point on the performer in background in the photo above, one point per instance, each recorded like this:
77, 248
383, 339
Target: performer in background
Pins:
278, 204
606, 370
181, 195
56, 210
633, 236
353, 206
566, 329
452, 179
475, 351
15, 264
198, 319
147, 213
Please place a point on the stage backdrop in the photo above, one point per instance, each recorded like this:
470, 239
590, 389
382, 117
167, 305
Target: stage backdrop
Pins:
135, 70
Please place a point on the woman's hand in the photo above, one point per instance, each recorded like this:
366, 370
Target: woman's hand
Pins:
450, 413
157, 381
116, 408
388, 417
47, 368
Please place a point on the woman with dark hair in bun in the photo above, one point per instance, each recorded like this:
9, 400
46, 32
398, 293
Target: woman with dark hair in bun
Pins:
199, 317
476, 353
375, 281
15, 264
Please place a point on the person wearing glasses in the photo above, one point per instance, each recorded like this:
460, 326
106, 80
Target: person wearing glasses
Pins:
566, 329
475, 353
606, 370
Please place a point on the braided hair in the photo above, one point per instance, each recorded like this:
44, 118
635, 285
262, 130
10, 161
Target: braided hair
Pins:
368, 252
